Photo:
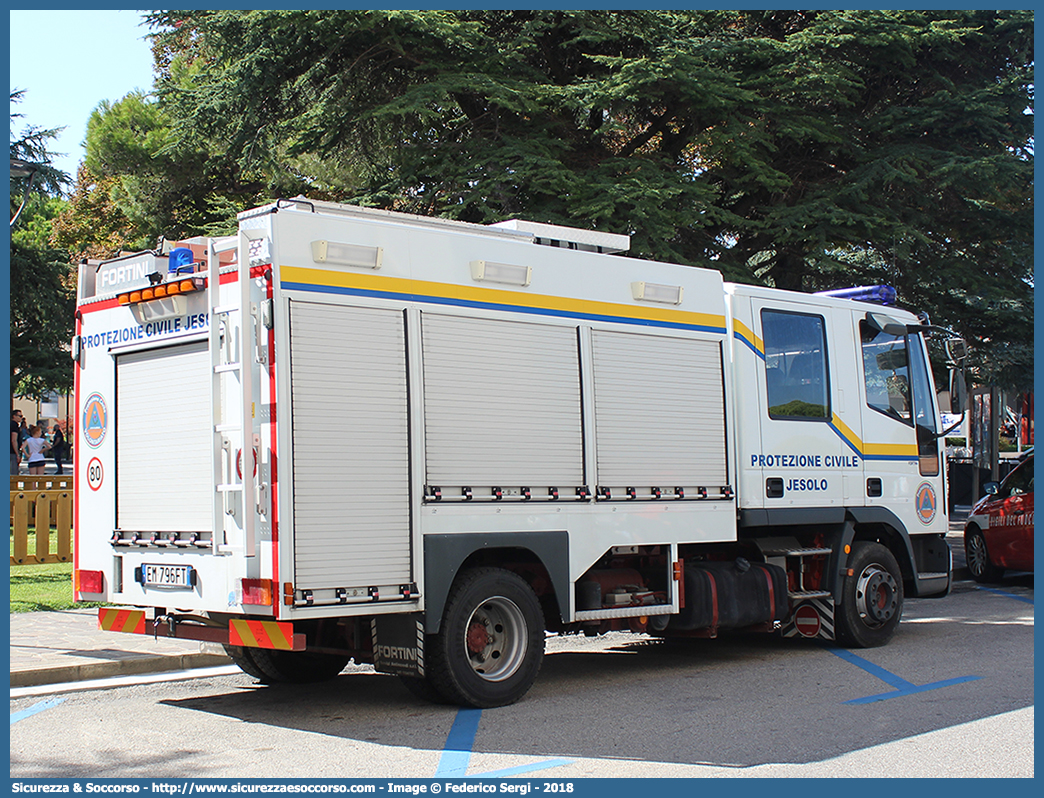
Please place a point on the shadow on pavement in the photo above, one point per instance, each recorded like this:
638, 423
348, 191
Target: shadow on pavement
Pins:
736, 701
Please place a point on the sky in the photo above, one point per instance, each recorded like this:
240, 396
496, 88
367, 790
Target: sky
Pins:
101, 55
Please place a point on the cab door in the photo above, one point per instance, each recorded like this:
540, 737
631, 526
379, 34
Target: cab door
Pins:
901, 458
1011, 523
800, 455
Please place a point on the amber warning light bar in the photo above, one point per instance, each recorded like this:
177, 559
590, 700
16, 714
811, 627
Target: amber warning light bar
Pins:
173, 288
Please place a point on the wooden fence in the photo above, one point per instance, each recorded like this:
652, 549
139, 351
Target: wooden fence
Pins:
45, 504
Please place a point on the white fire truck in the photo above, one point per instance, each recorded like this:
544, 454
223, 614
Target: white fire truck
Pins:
346, 433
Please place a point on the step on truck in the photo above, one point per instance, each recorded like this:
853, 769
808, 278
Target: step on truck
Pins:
352, 434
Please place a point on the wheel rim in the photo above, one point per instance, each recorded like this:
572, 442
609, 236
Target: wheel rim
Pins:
495, 639
877, 595
976, 554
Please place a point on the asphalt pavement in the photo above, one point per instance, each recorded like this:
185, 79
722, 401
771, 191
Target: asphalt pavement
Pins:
67, 646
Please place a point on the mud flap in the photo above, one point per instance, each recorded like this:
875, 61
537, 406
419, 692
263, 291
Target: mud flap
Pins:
398, 644
812, 618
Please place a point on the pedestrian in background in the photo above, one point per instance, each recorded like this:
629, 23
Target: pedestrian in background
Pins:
33, 448
58, 448
16, 441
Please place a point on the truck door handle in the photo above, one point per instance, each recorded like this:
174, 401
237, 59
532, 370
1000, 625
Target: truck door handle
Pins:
774, 487
874, 488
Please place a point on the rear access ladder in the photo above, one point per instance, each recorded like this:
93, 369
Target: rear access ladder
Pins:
233, 350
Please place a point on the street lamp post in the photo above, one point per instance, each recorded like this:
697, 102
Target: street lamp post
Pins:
20, 168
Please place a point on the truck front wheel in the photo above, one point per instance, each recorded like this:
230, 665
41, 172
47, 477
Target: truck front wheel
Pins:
491, 644
871, 598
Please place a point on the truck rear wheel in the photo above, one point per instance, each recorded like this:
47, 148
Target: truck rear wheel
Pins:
272, 666
244, 661
491, 644
871, 598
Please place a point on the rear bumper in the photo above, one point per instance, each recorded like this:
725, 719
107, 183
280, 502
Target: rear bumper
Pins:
237, 632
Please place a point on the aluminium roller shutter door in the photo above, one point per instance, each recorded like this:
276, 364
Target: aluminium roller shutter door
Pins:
350, 446
163, 440
659, 410
501, 403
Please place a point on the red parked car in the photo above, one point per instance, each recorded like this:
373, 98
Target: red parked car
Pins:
999, 532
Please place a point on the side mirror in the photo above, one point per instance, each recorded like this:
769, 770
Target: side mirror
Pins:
991, 488
956, 349
958, 392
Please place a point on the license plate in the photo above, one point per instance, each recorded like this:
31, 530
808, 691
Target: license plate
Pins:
168, 576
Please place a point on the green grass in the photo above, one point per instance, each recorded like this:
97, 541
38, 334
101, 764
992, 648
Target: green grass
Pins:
42, 587
37, 588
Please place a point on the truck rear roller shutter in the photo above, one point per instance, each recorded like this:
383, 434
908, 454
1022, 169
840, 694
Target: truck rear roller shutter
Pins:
351, 453
659, 410
501, 403
163, 455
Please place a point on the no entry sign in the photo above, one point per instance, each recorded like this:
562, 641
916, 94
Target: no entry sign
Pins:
807, 620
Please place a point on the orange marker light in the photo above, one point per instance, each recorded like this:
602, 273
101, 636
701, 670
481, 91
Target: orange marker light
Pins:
135, 296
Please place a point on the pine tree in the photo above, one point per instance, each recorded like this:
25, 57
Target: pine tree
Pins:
801, 149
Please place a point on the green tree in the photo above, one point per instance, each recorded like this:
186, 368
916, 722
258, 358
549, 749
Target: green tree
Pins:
31, 144
130, 190
801, 149
43, 303
42, 281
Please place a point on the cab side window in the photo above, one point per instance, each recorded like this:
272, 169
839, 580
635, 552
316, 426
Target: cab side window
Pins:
887, 373
898, 385
795, 365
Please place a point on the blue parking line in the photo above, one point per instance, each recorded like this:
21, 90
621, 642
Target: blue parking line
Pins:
546, 765
874, 670
35, 709
457, 752
913, 689
902, 687
1005, 593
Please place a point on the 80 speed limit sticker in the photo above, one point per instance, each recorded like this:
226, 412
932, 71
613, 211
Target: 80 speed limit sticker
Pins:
95, 473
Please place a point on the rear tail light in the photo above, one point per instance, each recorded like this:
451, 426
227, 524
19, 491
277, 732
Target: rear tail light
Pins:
89, 582
258, 592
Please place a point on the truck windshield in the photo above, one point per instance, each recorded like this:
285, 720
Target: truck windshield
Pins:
898, 385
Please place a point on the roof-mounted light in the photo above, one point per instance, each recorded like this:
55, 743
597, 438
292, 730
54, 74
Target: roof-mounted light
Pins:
881, 294
509, 273
184, 286
180, 259
347, 254
654, 292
